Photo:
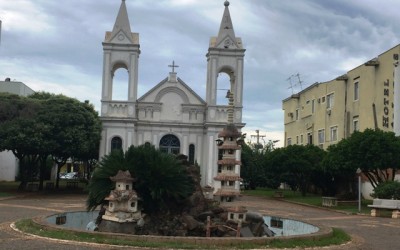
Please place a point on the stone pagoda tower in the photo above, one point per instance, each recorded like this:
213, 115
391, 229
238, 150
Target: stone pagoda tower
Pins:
123, 200
227, 181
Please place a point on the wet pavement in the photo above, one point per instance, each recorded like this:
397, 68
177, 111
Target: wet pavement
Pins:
368, 233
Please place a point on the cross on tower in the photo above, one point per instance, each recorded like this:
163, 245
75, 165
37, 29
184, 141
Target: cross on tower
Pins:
173, 66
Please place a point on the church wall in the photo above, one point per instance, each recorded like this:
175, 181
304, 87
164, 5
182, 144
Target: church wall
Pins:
172, 107
121, 129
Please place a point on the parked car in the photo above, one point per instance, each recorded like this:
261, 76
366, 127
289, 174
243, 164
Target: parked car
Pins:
69, 176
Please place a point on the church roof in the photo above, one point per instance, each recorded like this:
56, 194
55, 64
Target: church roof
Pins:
161, 88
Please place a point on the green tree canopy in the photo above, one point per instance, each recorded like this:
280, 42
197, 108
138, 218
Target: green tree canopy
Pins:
44, 124
296, 164
375, 152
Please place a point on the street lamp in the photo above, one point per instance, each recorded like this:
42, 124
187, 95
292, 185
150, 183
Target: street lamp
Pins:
358, 172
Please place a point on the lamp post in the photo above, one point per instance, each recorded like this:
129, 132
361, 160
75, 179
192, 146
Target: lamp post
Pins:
359, 189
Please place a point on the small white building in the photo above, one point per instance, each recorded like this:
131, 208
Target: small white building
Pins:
123, 200
9, 165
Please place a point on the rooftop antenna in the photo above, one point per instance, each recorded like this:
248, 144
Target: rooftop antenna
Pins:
291, 84
299, 81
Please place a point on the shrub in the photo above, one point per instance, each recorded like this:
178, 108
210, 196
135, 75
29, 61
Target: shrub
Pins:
161, 180
387, 190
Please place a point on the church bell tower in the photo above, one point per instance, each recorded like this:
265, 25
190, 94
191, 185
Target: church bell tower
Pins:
225, 55
121, 50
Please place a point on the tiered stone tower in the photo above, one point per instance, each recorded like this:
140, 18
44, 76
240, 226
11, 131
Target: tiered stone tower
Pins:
228, 174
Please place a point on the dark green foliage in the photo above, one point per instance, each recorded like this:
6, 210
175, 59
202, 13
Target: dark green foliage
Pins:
387, 190
252, 170
161, 181
44, 124
375, 152
296, 165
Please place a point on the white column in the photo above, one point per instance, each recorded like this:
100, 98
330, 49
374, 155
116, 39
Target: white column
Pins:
211, 159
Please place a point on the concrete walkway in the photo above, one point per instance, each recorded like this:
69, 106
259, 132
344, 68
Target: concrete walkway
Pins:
368, 233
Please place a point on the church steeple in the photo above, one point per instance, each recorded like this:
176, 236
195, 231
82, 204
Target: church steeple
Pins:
122, 24
226, 35
226, 55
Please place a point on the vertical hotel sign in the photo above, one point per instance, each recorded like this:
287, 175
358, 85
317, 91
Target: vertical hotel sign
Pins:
396, 101
386, 103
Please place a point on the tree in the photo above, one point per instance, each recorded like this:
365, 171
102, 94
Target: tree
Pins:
161, 180
252, 166
19, 133
296, 164
44, 125
75, 128
375, 152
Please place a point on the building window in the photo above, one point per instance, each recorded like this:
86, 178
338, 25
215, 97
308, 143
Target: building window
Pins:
355, 91
301, 139
334, 133
297, 114
170, 144
297, 139
321, 136
116, 143
309, 138
191, 154
355, 125
329, 101
289, 141
313, 106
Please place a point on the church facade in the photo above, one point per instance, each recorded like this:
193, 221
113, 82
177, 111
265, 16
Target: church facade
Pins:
171, 116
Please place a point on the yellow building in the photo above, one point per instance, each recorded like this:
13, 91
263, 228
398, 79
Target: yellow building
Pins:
324, 113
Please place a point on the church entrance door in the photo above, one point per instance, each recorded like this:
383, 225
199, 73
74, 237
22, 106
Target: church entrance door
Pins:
170, 144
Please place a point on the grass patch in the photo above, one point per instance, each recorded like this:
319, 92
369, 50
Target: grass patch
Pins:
28, 226
338, 237
310, 199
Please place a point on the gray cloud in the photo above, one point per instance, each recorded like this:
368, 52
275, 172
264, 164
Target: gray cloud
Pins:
56, 47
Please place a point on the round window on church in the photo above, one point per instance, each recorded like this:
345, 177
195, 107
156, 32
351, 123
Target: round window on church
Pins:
170, 144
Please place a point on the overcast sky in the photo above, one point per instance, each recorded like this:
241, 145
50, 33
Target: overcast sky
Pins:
55, 46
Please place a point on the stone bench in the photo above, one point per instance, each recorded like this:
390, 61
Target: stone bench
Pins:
329, 201
278, 194
385, 204
72, 184
33, 187
49, 185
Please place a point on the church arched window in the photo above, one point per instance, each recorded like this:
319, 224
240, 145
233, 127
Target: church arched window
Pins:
116, 143
120, 81
191, 154
223, 85
170, 144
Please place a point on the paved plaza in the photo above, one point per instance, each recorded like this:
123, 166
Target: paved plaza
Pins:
368, 233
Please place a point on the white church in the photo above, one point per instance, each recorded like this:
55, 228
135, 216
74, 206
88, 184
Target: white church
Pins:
171, 116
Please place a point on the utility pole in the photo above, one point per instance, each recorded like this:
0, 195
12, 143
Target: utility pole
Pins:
258, 136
